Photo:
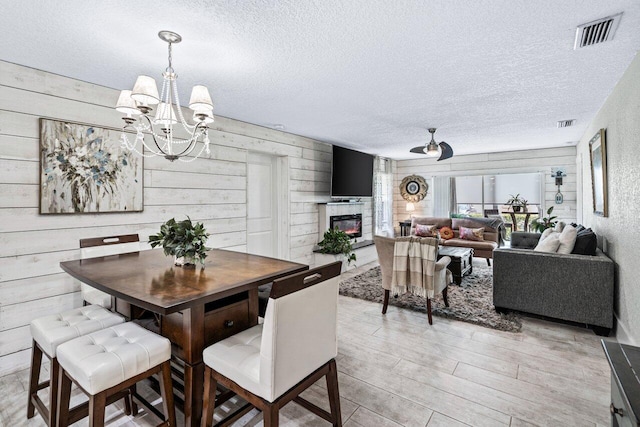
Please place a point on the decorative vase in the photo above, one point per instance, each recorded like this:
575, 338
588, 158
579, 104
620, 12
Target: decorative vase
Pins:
185, 261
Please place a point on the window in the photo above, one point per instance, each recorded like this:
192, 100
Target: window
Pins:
383, 197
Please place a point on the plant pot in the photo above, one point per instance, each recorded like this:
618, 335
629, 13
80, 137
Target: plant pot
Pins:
517, 209
185, 261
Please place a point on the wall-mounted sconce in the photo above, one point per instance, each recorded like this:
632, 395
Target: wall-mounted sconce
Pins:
558, 174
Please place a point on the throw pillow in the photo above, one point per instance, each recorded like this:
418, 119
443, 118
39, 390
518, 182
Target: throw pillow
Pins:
567, 239
423, 230
472, 233
586, 243
546, 233
559, 227
446, 233
550, 244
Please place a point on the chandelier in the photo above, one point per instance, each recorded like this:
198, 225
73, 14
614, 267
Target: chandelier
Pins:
163, 125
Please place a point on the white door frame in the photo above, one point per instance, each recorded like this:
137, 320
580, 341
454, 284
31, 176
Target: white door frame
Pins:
282, 203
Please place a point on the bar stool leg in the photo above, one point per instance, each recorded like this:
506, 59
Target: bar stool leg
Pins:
166, 390
64, 399
34, 379
97, 405
209, 401
53, 392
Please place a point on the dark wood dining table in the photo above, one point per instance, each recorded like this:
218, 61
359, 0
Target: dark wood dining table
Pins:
196, 307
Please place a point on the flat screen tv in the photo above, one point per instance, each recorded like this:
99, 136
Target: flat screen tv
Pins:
351, 173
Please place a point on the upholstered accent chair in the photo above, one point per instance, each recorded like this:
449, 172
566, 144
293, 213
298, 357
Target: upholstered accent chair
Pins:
385, 248
270, 364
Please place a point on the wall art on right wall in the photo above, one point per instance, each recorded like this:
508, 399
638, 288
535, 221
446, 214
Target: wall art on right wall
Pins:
598, 150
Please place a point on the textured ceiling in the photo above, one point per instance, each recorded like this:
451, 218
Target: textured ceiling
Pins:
366, 74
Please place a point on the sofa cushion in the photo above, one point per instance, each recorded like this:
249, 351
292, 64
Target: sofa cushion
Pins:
586, 243
567, 239
439, 222
550, 244
425, 230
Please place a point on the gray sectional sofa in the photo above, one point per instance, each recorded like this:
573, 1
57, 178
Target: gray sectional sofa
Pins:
577, 288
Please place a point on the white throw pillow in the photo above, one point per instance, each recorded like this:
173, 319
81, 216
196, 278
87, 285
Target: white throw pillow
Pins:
567, 239
546, 233
550, 244
559, 227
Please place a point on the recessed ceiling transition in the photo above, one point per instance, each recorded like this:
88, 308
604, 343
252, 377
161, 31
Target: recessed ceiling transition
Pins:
370, 75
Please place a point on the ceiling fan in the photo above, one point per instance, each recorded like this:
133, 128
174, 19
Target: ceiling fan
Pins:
433, 148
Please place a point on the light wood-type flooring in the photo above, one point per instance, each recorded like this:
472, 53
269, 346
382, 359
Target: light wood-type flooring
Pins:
396, 370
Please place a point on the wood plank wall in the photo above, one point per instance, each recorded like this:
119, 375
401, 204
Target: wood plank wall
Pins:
211, 190
524, 161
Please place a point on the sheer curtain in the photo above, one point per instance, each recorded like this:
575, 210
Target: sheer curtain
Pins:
383, 197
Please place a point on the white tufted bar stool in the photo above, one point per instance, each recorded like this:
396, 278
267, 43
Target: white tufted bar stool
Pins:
269, 365
106, 364
48, 333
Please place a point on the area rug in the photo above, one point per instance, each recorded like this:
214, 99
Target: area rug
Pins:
472, 302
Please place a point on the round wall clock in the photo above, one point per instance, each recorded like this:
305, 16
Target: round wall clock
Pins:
413, 188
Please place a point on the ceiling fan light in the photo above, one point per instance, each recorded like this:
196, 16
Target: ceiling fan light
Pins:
432, 150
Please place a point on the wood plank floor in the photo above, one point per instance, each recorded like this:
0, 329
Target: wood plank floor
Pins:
396, 370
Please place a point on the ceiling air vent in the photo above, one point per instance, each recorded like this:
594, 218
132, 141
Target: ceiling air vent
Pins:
598, 31
566, 123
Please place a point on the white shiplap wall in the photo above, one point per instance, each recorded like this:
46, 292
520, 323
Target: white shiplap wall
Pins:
211, 190
493, 164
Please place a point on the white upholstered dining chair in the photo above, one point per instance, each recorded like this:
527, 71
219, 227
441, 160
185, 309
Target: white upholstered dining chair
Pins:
270, 364
105, 246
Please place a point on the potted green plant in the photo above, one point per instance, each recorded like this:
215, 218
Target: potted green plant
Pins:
184, 240
542, 224
517, 203
337, 242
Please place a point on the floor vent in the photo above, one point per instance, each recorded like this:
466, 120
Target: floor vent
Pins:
596, 32
566, 123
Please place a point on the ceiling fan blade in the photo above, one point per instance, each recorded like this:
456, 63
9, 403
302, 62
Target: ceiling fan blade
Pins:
447, 151
419, 150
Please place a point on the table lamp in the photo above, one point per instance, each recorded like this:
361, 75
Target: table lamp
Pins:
410, 208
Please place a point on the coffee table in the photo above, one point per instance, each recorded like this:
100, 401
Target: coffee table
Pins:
461, 261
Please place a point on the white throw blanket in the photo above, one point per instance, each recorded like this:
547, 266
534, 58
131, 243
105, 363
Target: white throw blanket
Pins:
414, 262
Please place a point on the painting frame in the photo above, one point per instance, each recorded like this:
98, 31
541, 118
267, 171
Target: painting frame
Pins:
85, 170
598, 161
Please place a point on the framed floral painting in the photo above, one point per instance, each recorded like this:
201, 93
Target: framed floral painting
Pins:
84, 169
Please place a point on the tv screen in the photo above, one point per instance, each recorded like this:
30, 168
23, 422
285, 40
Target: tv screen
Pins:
351, 173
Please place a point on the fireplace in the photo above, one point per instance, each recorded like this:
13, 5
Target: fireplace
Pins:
350, 224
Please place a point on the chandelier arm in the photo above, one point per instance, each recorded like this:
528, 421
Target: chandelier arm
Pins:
193, 141
153, 135
191, 159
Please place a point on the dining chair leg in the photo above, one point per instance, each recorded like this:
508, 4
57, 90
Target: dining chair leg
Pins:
429, 311
64, 399
209, 400
334, 393
34, 379
166, 390
271, 416
385, 304
445, 296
